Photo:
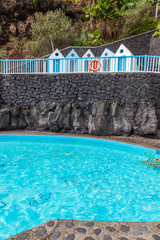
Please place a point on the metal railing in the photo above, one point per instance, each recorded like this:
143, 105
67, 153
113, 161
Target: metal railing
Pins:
80, 65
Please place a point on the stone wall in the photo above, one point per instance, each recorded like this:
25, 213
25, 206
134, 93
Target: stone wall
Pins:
155, 46
94, 103
138, 45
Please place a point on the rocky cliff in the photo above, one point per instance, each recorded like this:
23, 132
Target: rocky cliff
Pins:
98, 118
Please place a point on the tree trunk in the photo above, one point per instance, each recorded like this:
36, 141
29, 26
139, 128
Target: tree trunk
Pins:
92, 25
102, 27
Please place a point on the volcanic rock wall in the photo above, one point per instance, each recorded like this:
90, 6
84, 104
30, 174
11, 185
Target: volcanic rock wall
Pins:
94, 103
155, 46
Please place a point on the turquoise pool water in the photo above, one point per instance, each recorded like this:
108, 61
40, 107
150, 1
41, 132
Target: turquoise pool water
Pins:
44, 178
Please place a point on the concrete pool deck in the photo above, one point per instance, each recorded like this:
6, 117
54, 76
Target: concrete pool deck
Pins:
93, 230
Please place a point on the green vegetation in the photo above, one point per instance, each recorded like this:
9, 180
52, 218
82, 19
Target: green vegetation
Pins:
50, 30
35, 1
102, 21
3, 53
121, 18
89, 39
157, 33
139, 20
152, 160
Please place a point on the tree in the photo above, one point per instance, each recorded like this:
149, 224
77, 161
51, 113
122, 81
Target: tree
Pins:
107, 14
52, 29
111, 16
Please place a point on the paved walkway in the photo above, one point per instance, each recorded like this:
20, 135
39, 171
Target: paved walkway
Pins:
91, 230
94, 230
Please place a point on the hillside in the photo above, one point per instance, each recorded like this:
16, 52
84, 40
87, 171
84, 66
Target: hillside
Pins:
16, 16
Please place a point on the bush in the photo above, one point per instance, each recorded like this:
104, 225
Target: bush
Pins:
3, 53
157, 33
89, 39
52, 28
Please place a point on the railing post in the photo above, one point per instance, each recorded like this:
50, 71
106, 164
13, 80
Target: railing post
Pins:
125, 62
145, 63
48, 65
6, 66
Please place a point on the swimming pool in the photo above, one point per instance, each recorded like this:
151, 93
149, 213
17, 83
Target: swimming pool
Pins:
44, 178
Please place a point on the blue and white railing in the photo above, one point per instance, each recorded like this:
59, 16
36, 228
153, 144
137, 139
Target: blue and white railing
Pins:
80, 65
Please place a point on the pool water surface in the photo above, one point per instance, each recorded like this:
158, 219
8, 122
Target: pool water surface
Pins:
44, 178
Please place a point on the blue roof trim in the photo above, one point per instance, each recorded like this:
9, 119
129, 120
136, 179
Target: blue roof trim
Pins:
88, 52
71, 53
110, 53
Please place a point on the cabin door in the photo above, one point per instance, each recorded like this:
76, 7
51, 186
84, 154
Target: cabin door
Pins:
121, 64
56, 65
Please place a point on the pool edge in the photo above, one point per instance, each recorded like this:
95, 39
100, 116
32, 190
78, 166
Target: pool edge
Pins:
91, 230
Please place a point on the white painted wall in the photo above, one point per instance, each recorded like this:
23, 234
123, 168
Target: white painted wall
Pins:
85, 63
107, 63
56, 55
73, 65
122, 52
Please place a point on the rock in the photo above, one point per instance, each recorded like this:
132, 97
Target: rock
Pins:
41, 232
13, 29
81, 230
66, 118
77, 119
23, 236
108, 119
61, 118
44, 107
4, 118
41, 114
89, 224
145, 122
96, 118
43, 124
21, 27
97, 124
22, 124
126, 126
110, 229
55, 118
14, 118
32, 117
13, 123
69, 224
